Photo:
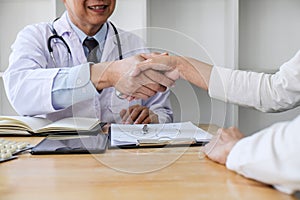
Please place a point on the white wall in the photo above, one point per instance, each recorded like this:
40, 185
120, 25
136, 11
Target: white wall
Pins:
269, 36
205, 32
130, 14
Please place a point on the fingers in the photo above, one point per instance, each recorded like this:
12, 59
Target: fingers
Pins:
156, 87
144, 85
150, 64
151, 82
173, 75
154, 81
146, 116
138, 87
138, 114
143, 115
140, 94
122, 113
221, 144
161, 63
230, 134
143, 93
131, 114
160, 78
153, 54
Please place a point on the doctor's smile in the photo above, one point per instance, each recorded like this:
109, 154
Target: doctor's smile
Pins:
100, 8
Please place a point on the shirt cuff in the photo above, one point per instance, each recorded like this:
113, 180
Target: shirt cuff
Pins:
83, 87
233, 161
79, 76
218, 83
72, 85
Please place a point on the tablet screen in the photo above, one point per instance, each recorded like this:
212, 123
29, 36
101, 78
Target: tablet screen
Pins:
67, 144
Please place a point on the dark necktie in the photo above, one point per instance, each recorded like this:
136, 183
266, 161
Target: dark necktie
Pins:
92, 46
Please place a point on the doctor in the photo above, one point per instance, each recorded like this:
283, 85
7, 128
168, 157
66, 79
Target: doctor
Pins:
49, 73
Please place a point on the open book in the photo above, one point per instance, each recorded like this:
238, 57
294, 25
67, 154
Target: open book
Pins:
19, 125
139, 135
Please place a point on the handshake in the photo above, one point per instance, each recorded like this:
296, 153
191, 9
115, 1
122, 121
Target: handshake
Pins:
142, 76
145, 77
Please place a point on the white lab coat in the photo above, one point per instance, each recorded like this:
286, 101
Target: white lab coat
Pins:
271, 155
29, 77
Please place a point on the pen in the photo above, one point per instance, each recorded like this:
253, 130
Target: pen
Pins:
145, 129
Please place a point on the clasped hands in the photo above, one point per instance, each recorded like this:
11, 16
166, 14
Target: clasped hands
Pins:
133, 76
135, 82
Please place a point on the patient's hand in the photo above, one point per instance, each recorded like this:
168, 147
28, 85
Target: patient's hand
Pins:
220, 146
159, 62
175, 67
138, 114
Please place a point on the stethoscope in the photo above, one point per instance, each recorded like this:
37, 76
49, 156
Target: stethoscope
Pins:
58, 37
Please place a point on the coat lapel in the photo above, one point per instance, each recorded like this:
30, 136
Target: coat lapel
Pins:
64, 29
110, 51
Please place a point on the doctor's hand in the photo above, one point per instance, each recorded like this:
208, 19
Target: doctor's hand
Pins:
221, 144
118, 74
138, 114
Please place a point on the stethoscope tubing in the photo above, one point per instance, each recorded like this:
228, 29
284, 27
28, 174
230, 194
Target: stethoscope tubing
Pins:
58, 37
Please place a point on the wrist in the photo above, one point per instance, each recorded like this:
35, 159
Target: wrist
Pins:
196, 72
100, 75
229, 147
183, 66
180, 63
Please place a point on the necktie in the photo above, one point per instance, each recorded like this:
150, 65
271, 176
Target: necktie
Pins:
92, 46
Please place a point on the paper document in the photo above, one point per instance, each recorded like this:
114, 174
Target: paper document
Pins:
122, 134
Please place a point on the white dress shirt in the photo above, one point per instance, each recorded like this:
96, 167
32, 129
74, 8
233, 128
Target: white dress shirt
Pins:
271, 155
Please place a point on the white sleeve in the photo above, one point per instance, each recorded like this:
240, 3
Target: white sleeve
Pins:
265, 92
72, 85
270, 156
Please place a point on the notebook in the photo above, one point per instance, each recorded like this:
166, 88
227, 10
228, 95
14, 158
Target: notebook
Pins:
20, 125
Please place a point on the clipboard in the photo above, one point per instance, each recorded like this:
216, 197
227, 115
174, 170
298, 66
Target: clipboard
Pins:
157, 135
160, 144
71, 144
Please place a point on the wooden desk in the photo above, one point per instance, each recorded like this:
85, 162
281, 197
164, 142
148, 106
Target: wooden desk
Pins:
159, 173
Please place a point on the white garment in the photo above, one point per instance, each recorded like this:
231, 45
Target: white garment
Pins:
29, 77
271, 155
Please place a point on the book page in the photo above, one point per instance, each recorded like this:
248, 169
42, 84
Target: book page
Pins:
71, 124
123, 134
22, 123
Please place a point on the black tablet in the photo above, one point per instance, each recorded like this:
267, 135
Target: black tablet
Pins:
72, 144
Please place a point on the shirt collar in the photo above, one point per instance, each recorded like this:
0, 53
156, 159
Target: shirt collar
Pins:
100, 36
